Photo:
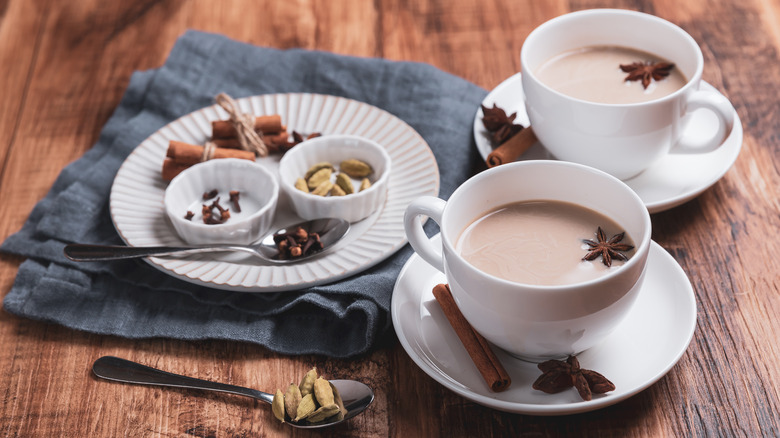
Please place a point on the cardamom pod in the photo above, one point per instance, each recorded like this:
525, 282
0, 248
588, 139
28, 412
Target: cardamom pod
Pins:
301, 185
317, 167
318, 178
322, 413
344, 181
338, 400
323, 189
277, 405
305, 407
337, 191
307, 384
323, 392
366, 183
356, 168
292, 398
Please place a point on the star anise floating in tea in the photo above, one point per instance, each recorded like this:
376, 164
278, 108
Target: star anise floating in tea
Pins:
647, 71
559, 375
608, 249
500, 125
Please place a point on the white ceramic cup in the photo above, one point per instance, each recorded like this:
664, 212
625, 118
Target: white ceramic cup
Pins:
621, 139
535, 322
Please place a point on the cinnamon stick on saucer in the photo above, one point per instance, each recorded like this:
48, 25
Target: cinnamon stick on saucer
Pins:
511, 149
477, 347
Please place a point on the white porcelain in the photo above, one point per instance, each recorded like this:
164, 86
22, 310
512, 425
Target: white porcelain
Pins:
335, 149
675, 179
621, 139
258, 195
655, 334
136, 202
531, 321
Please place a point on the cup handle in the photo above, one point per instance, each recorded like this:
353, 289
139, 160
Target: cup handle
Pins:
433, 208
722, 108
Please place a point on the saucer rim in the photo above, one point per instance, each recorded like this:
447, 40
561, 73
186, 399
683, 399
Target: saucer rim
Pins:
657, 254
514, 84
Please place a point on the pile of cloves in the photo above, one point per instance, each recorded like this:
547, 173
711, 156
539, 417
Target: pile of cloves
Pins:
297, 243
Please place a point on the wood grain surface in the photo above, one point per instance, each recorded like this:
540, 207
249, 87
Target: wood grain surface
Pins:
66, 64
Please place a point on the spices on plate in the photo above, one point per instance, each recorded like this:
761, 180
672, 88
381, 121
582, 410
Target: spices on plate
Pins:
314, 400
559, 375
510, 140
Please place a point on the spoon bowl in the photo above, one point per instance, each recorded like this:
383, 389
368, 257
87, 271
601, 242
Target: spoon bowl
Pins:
355, 395
330, 230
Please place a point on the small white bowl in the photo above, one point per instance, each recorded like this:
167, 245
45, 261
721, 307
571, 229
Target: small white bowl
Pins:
335, 149
258, 195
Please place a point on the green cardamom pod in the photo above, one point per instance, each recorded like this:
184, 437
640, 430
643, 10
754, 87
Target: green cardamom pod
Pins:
344, 181
301, 185
305, 408
292, 398
337, 191
307, 384
338, 400
364, 184
318, 178
317, 167
322, 413
277, 405
323, 392
356, 168
323, 189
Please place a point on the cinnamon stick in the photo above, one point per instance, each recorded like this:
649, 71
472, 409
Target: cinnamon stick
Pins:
511, 149
186, 153
225, 128
270, 139
476, 346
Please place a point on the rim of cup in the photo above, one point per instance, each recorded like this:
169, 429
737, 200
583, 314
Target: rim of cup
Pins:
642, 243
562, 19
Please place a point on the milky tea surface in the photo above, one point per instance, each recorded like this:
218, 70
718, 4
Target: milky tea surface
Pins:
537, 242
593, 74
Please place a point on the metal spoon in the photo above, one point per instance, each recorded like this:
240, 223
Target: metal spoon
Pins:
329, 229
356, 396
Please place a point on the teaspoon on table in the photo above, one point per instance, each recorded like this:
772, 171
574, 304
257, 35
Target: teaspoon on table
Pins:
356, 395
330, 230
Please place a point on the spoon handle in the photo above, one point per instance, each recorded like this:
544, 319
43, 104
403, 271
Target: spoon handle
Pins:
122, 370
81, 252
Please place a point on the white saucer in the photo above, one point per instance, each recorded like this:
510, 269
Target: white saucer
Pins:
640, 351
674, 180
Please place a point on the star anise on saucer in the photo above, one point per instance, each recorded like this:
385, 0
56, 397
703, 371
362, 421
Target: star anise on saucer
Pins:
608, 249
500, 125
645, 71
559, 375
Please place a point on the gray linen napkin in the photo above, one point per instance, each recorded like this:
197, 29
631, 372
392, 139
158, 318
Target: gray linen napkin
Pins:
131, 299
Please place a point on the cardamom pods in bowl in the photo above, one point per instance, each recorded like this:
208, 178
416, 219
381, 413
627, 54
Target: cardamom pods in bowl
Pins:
343, 176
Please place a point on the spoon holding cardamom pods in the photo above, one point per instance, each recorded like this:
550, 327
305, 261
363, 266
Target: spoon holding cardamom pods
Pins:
355, 396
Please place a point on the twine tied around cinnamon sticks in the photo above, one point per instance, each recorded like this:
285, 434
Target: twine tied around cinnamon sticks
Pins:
250, 139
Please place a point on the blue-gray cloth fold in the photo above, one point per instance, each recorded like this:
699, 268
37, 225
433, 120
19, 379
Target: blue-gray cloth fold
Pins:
134, 300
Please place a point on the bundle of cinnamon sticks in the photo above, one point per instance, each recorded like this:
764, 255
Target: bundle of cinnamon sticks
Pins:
225, 144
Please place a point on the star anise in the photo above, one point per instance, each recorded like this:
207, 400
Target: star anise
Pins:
500, 125
647, 71
559, 375
607, 249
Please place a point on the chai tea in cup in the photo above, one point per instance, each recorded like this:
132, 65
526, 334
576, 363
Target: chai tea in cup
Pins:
538, 321
540, 242
594, 74
595, 128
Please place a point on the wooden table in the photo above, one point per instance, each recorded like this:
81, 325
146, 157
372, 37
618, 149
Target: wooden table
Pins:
65, 66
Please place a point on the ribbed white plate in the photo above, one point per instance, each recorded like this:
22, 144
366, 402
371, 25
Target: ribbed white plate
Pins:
136, 202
